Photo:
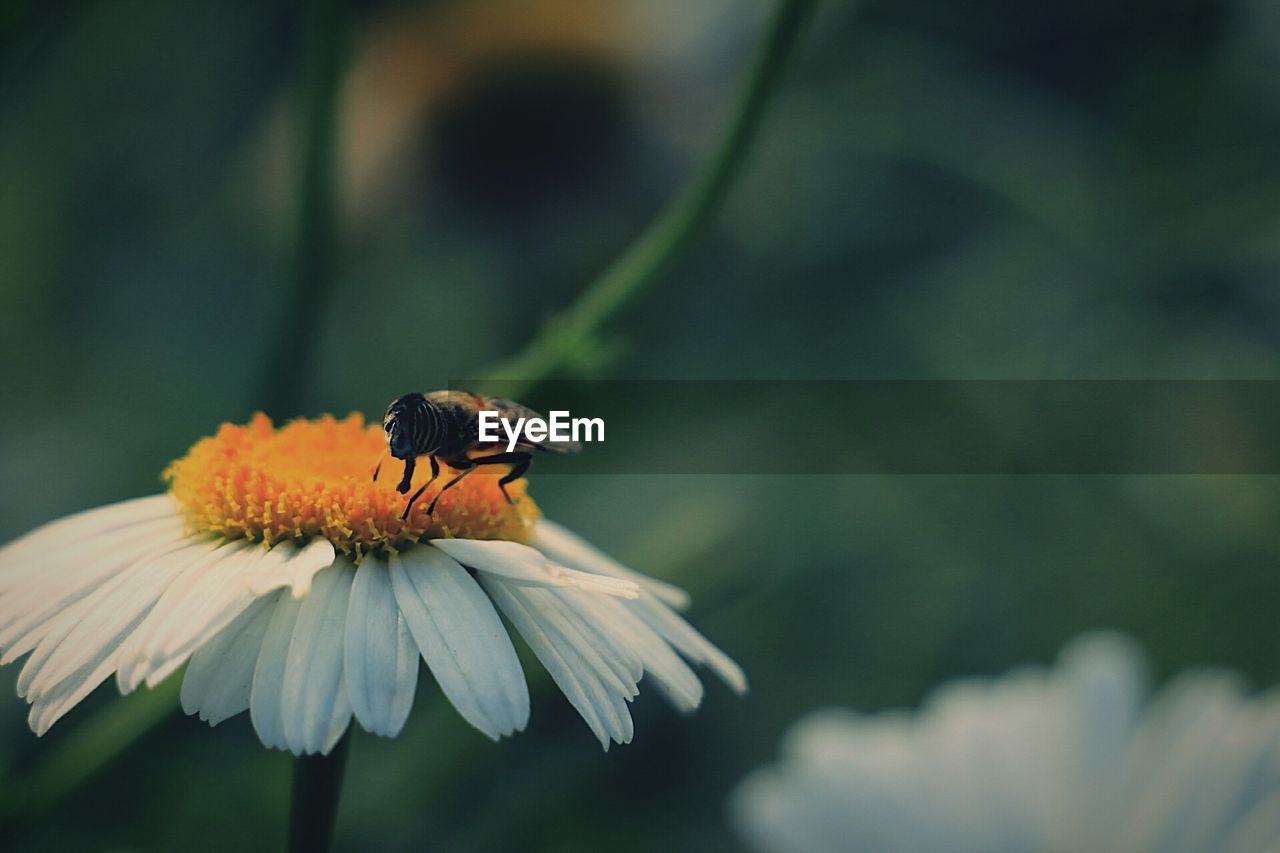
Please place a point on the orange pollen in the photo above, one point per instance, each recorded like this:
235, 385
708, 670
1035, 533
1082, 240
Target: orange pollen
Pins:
315, 478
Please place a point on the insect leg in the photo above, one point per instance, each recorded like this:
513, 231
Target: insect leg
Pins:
520, 462
407, 479
463, 464
435, 472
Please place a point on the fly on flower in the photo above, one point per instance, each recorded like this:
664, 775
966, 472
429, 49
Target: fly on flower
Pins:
293, 587
445, 427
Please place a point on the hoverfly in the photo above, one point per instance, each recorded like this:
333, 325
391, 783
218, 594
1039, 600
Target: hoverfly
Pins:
444, 426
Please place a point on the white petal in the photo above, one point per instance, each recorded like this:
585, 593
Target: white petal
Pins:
121, 602
601, 705
339, 719
1203, 755
265, 699
56, 701
524, 565
53, 633
190, 614
462, 640
288, 565
651, 608
314, 695
568, 549
68, 575
186, 606
51, 706
673, 675
616, 668
259, 573
93, 646
220, 676
595, 620
87, 526
381, 660
671, 627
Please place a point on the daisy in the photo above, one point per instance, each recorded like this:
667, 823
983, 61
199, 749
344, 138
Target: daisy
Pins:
1071, 760
281, 575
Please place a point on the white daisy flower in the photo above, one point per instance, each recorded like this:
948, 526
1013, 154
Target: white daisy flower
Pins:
1071, 760
282, 576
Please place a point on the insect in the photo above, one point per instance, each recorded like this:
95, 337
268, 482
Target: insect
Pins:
445, 427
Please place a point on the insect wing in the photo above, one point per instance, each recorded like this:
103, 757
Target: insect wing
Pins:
513, 411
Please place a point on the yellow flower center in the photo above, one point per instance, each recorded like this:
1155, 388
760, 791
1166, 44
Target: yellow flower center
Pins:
315, 478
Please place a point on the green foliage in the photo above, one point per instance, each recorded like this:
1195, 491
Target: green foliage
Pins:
940, 191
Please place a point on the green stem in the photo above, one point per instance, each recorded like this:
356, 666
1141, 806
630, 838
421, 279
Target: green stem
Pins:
285, 374
317, 784
574, 331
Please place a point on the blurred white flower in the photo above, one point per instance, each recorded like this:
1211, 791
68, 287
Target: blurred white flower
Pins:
1070, 760
286, 578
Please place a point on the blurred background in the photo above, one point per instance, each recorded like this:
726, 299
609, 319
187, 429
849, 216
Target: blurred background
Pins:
991, 190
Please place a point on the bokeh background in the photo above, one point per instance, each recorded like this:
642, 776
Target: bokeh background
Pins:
990, 190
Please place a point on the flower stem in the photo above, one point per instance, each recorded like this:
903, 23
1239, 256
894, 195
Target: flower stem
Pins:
573, 332
317, 784
285, 373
